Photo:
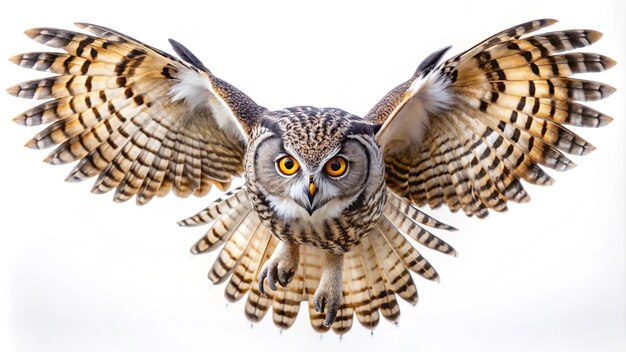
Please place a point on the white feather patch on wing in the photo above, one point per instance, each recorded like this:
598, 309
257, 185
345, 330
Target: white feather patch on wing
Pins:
408, 123
432, 90
195, 89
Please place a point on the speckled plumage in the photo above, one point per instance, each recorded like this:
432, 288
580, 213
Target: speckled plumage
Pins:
464, 133
313, 134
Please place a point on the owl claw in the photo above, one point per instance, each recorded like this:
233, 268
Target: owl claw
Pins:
329, 292
269, 272
280, 268
318, 304
327, 299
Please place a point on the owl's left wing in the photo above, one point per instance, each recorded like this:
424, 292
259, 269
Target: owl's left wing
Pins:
142, 120
465, 133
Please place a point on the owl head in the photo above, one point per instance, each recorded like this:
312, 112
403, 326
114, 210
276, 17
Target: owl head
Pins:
314, 163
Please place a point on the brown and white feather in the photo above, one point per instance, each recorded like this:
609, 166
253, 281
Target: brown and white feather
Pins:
141, 120
490, 117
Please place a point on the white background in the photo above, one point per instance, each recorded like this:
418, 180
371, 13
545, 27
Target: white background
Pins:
81, 273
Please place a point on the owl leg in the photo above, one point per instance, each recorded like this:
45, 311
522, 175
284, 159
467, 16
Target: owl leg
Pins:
328, 293
281, 266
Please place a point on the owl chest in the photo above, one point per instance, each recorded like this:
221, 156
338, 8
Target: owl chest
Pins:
337, 234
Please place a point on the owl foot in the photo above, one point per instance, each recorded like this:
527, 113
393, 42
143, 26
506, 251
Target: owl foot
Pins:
329, 292
281, 267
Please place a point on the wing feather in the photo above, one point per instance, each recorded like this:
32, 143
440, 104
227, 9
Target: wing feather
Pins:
490, 117
143, 121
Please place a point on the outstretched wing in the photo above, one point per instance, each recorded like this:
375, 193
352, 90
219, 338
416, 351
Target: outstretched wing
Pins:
466, 132
142, 120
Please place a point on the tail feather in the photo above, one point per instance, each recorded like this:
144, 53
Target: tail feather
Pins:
361, 298
374, 272
381, 290
229, 200
244, 274
257, 304
287, 300
345, 315
393, 267
414, 213
415, 231
220, 230
312, 275
233, 248
404, 251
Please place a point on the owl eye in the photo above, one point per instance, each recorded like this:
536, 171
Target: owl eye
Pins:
287, 165
336, 166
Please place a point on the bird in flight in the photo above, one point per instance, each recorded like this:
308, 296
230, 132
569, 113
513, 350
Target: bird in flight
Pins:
331, 206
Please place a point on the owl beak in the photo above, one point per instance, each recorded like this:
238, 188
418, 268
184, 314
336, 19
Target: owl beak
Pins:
312, 191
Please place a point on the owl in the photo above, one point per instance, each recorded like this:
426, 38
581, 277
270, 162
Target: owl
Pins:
331, 204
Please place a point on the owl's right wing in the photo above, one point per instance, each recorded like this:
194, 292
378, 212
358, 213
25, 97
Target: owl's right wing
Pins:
466, 132
142, 120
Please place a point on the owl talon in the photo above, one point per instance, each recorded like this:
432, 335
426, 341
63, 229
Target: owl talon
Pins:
280, 268
329, 293
329, 301
262, 276
318, 304
269, 272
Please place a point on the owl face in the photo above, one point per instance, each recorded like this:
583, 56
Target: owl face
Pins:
316, 167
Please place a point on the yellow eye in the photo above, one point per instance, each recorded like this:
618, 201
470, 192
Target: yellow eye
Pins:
288, 165
336, 166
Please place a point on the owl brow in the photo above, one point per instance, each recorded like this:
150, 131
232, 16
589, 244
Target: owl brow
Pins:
334, 153
340, 150
293, 154
282, 151
282, 154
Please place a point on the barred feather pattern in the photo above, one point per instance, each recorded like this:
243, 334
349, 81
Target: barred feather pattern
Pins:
506, 103
375, 272
112, 109
147, 123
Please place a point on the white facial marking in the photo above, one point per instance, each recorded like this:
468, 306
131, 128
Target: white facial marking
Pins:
289, 210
